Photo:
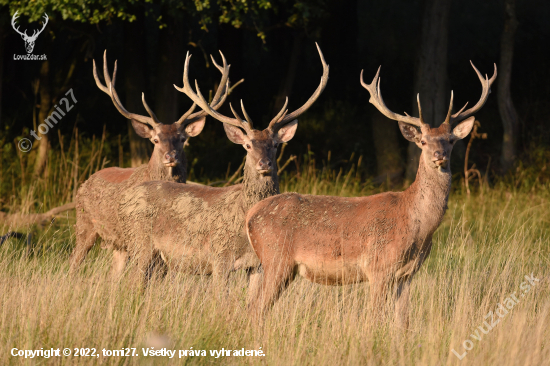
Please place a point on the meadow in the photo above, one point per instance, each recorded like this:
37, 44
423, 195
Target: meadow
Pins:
489, 241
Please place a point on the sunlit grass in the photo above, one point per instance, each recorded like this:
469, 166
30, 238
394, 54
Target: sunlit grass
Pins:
483, 250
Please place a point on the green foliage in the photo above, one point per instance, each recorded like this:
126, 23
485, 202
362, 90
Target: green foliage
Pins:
87, 11
254, 13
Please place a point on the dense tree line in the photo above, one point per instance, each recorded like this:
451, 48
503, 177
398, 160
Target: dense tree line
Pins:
424, 47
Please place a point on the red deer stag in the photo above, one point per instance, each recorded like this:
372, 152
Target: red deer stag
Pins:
382, 239
96, 213
199, 229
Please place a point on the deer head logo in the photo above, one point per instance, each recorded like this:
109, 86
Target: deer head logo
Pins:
29, 40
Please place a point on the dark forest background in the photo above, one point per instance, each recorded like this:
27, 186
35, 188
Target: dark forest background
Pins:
423, 46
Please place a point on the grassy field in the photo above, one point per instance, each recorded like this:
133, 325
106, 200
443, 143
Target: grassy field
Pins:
487, 244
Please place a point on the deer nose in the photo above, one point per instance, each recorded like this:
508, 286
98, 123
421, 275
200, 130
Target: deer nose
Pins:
264, 166
440, 155
170, 158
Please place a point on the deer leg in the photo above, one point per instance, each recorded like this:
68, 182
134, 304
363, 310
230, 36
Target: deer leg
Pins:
85, 240
142, 268
120, 259
159, 266
401, 301
378, 294
220, 276
276, 278
254, 284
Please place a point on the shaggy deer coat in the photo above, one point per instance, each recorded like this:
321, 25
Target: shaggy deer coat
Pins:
200, 230
96, 200
209, 237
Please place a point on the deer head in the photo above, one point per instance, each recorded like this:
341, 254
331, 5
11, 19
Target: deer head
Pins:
436, 142
168, 139
260, 145
29, 40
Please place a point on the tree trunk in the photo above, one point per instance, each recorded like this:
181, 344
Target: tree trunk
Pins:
45, 108
286, 84
506, 107
134, 83
431, 76
386, 144
170, 70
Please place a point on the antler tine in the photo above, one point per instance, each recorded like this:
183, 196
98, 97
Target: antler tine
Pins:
224, 80
151, 113
110, 89
486, 85
244, 124
221, 93
186, 115
106, 75
199, 99
125, 113
376, 100
98, 82
419, 108
237, 117
105, 88
278, 122
448, 117
279, 115
248, 119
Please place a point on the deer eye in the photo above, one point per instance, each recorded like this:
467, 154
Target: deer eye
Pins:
156, 141
423, 142
248, 146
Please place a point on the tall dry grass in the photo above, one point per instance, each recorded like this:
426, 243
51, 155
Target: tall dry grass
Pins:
486, 245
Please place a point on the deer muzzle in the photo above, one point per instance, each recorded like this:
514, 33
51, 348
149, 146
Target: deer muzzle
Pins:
440, 158
441, 163
170, 160
264, 166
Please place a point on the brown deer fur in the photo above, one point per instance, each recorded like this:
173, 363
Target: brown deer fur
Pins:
96, 200
209, 236
201, 229
382, 239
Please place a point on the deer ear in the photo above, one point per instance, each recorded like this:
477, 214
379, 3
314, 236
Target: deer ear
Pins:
463, 128
286, 133
194, 128
235, 134
142, 129
410, 132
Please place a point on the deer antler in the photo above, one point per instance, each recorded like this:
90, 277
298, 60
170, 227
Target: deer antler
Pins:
276, 123
111, 91
486, 84
377, 101
198, 98
283, 118
219, 97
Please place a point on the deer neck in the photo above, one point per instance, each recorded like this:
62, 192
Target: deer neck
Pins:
256, 187
158, 171
428, 197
